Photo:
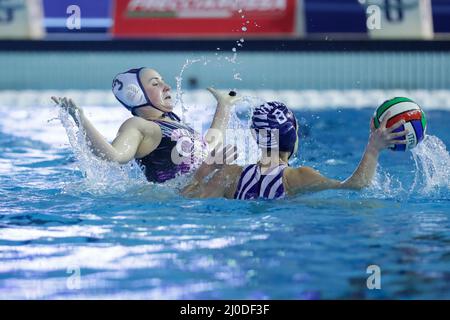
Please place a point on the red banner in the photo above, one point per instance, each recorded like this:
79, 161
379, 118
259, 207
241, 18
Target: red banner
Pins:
162, 18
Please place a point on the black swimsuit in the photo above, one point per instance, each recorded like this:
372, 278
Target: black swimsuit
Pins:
160, 166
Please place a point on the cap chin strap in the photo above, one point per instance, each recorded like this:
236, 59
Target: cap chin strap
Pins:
295, 149
169, 114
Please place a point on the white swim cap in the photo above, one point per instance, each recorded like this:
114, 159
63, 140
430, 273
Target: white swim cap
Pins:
127, 88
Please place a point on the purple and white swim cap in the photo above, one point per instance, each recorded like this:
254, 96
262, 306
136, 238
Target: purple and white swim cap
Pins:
275, 127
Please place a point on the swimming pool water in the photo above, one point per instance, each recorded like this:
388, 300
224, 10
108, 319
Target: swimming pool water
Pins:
129, 239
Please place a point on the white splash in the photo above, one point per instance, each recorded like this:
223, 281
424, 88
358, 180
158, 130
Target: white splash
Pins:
233, 59
384, 185
248, 151
432, 165
100, 176
179, 79
431, 173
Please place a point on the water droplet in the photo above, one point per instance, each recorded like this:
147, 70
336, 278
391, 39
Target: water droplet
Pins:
244, 29
240, 10
242, 16
241, 40
218, 48
234, 49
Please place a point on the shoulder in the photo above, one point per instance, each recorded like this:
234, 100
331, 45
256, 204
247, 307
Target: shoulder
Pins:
142, 125
137, 121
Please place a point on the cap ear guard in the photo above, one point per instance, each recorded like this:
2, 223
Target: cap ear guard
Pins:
266, 138
134, 95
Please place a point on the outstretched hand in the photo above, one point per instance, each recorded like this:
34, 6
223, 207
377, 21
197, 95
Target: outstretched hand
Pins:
384, 137
224, 98
69, 106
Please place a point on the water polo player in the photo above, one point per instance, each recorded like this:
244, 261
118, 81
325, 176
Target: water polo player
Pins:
276, 131
152, 135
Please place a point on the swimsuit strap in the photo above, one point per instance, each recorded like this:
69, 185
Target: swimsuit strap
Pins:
167, 127
172, 116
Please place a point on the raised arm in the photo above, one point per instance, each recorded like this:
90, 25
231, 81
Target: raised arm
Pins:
306, 179
216, 133
124, 147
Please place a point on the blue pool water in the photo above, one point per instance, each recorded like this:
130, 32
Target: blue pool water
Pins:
128, 239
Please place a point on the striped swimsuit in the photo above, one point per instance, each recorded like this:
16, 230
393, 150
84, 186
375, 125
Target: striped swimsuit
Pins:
252, 184
166, 162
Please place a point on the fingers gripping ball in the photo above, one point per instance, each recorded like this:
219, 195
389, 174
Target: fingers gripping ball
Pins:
414, 117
